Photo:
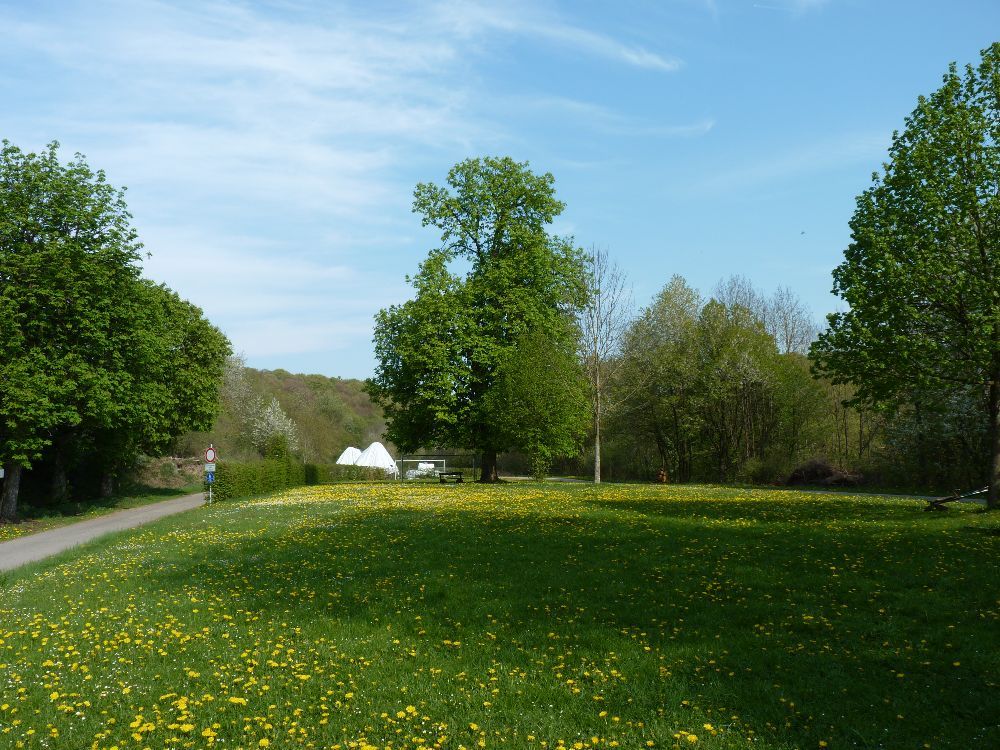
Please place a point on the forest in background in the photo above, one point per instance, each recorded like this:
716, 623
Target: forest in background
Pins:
722, 389
263, 412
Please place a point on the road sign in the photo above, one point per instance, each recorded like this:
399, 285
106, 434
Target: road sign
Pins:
210, 455
209, 468
210, 477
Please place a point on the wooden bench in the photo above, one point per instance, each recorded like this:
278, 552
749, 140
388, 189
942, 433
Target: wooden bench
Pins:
939, 502
444, 476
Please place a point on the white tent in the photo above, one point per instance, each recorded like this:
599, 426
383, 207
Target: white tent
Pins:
349, 456
377, 456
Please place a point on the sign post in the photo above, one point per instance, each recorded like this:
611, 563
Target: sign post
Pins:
210, 456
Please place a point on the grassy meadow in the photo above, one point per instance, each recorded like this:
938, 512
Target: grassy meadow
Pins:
519, 616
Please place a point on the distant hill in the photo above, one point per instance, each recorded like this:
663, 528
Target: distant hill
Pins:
330, 414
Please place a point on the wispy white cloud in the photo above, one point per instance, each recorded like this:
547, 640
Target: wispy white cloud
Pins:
828, 154
274, 137
797, 7
269, 301
476, 18
602, 119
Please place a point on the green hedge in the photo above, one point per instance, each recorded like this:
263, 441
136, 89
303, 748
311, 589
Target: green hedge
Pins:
233, 480
341, 472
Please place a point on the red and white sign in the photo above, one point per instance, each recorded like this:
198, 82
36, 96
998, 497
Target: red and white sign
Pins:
210, 455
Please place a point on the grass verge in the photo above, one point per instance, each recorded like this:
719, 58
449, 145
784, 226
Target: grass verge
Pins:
35, 519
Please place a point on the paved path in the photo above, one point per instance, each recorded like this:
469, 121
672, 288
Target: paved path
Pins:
32, 547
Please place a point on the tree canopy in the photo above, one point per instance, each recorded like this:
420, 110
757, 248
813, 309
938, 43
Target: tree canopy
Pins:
94, 360
922, 272
440, 354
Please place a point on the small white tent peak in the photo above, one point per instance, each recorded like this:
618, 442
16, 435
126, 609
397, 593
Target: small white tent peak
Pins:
375, 455
349, 456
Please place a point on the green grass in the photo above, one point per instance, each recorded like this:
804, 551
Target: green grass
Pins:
35, 519
525, 615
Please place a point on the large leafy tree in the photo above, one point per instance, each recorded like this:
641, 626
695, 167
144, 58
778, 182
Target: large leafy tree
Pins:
95, 362
922, 273
736, 361
171, 366
540, 399
659, 378
440, 353
67, 251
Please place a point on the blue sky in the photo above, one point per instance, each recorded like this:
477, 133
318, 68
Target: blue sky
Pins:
270, 149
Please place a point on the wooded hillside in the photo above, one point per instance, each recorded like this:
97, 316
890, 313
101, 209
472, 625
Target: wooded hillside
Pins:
328, 415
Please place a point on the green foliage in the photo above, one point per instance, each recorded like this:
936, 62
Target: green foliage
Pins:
95, 362
440, 353
348, 473
172, 364
708, 396
67, 252
540, 400
329, 414
277, 448
234, 480
922, 273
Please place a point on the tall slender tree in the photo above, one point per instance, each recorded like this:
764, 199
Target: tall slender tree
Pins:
604, 322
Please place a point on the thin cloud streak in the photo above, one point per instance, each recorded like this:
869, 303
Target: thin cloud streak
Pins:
826, 155
474, 19
298, 127
796, 7
604, 120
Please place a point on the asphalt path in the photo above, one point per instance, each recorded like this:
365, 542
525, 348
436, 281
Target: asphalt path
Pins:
26, 549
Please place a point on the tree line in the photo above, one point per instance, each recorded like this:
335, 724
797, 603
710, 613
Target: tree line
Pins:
273, 413
97, 363
529, 344
518, 340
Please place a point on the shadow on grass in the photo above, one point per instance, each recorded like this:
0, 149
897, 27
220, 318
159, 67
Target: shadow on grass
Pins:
129, 498
801, 633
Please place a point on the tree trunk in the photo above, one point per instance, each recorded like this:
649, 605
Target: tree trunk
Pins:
993, 497
107, 483
489, 468
597, 447
60, 487
8, 498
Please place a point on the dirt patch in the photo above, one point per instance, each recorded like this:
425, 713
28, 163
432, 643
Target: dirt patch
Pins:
171, 472
824, 474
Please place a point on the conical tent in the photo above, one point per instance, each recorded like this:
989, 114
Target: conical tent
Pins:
375, 455
349, 456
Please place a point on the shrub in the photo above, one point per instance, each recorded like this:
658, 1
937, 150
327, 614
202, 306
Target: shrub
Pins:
818, 471
342, 472
233, 480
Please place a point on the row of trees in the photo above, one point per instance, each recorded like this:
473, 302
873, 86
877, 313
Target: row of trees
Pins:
536, 339
706, 385
707, 390
96, 363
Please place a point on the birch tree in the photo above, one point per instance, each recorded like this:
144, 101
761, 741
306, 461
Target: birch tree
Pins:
604, 323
